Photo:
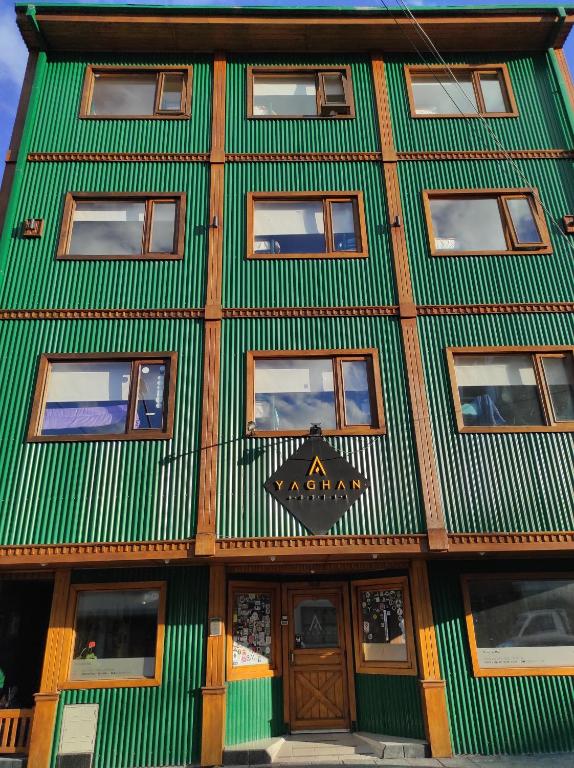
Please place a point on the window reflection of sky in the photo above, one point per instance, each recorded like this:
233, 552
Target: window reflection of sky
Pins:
131, 95
468, 224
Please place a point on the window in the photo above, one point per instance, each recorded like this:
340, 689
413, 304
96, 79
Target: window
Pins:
384, 640
253, 631
117, 634
136, 92
299, 92
289, 391
103, 397
122, 226
485, 222
520, 625
481, 91
513, 390
306, 225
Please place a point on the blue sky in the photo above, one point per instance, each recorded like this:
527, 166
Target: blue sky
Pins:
13, 52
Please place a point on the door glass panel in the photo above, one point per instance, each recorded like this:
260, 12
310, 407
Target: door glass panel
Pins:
130, 94
383, 635
492, 93
171, 93
316, 624
344, 236
559, 372
523, 220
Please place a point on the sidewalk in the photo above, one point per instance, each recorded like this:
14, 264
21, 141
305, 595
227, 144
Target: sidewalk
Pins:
563, 760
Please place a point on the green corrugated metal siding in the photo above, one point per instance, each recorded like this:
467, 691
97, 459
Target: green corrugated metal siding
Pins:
479, 473
34, 278
489, 279
98, 491
392, 504
389, 704
491, 715
359, 134
58, 128
254, 710
161, 725
541, 124
306, 282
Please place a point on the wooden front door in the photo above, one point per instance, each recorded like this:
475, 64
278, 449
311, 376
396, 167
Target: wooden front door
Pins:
317, 662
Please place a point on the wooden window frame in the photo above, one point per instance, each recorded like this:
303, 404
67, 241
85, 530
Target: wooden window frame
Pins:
408, 667
326, 198
70, 636
514, 248
257, 671
318, 72
479, 671
538, 354
179, 198
475, 71
37, 409
336, 356
161, 71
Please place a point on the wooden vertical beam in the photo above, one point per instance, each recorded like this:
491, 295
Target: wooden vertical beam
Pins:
207, 513
46, 701
213, 719
433, 687
426, 459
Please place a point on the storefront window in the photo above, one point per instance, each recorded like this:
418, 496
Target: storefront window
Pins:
116, 633
520, 623
252, 627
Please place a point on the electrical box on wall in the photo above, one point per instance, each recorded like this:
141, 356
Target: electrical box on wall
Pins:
78, 735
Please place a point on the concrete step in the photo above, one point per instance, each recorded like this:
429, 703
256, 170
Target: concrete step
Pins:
392, 747
14, 761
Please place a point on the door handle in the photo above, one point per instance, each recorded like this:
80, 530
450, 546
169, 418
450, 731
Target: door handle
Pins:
292, 657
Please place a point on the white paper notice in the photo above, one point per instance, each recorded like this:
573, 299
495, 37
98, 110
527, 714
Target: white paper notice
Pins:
552, 656
79, 726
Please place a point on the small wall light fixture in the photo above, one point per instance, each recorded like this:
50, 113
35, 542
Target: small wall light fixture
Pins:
315, 429
250, 428
32, 227
214, 222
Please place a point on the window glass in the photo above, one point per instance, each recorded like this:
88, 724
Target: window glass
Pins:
171, 93
334, 89
149, 404
498, 390
163, 228
523, 220
344, 236
382, 631
118, 94
115, 634
559, 373
523, 622
357, 394
251, 629
290, 94
492, 93
467, 224
86, 398
438, 94
107, 228
289, 227
293, 393
316, 624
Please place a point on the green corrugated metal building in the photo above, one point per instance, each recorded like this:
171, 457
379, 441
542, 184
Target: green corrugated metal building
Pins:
287, 333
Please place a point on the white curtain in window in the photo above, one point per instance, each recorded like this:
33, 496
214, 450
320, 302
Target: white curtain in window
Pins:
494, 370
88, 382
109, 212
283, 86
288, 219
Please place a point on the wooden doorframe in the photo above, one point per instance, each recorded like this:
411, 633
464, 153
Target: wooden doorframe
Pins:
344, 587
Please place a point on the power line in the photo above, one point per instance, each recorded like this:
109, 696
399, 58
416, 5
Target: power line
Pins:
484, 121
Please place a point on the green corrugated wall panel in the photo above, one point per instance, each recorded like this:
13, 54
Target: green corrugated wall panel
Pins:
34, 278
504, 482
492, 715
254, 710
59, 129
359, 134
306, 282
155, 726
541, 124
391, 505
490, 279
389, 704
98, 491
